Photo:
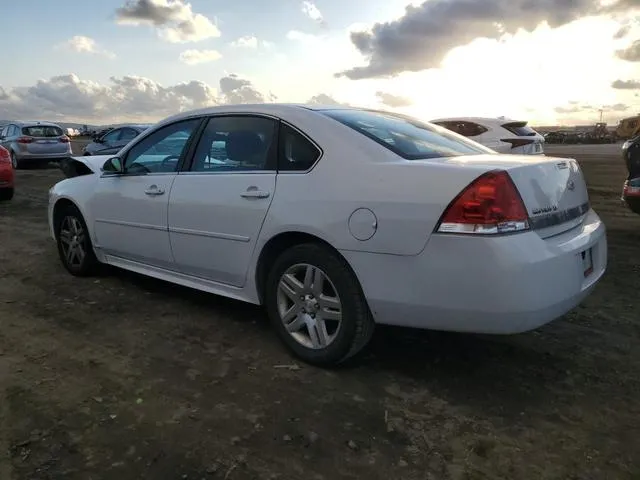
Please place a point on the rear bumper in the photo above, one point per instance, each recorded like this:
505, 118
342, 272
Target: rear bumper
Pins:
49, 157
503, 285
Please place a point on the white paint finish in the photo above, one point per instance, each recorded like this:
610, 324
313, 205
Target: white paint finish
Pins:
130, 223
410, 276
363, 224
486, 285
213, 227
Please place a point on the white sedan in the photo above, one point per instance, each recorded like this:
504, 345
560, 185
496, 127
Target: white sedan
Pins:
337, 219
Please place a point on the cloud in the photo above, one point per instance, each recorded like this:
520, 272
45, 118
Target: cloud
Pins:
82, 44
393, 101
631, 53
234, 89
250, 41
323, 99
128, 98
626, 85
195, 57
313, 12
174, 19
421, 38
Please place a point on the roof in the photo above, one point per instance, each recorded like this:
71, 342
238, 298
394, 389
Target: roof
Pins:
33, 123
264, 108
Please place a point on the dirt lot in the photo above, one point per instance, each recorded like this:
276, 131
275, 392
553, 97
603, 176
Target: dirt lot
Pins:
124, 377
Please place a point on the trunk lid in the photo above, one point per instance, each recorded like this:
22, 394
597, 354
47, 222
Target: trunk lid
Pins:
553, 189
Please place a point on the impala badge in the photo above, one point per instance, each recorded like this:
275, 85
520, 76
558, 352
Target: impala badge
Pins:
571, 186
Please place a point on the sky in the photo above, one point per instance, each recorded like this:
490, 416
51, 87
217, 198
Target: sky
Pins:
546, 61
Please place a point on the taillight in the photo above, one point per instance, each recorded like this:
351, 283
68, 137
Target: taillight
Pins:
518, 142
4, 155
631, 190
64, 139
24, 140
491, 204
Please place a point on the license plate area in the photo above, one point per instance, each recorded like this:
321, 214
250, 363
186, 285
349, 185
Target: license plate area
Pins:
587, 262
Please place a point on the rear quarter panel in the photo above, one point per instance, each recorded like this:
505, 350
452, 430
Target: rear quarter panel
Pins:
407, 197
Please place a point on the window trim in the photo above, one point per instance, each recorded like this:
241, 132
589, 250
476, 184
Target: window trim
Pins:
272, 154
187, 152
309, 139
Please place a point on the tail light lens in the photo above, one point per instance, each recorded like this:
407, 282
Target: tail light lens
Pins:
518, 142
24, 140
631, 190
4, 155
64, 139
490, 205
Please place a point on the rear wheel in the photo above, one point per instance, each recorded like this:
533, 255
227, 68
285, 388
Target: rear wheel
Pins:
6, 194
14, 161
74, 243
316, 305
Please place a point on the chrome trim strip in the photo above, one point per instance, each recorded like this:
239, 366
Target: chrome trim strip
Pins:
200, 233
556, 218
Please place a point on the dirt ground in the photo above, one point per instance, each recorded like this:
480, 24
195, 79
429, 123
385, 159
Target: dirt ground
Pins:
122, 377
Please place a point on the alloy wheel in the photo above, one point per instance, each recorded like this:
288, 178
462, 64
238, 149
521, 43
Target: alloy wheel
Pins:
309, 306
72, 239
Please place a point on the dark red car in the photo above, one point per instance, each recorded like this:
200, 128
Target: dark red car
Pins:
6, 175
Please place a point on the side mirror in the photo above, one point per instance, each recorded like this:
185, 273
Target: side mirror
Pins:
113, 165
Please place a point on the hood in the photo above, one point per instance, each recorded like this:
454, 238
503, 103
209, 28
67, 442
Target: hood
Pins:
85, 165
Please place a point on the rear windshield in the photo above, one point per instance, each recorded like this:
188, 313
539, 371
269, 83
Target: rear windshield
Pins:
520, 129
42, 131
406, 136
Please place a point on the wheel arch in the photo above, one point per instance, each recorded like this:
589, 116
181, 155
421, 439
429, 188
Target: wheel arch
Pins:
59, 206
278, 244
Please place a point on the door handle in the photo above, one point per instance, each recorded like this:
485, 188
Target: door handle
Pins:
254, 193
153, 190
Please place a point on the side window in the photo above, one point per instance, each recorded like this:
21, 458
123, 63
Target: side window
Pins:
112, 136
162, 150
470, 129
236, 143
296, 152
4, 131
127, 134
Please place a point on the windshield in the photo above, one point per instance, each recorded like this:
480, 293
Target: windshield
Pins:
406, 136
42, 131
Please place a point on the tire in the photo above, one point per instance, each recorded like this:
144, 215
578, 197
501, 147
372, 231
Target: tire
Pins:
6, 194
71, 225
14, 161
345, 338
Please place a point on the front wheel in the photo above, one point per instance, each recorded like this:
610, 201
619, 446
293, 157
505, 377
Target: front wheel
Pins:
316, 305
74, 243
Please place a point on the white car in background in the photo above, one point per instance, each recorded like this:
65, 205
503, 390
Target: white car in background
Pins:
500, 134
336, 219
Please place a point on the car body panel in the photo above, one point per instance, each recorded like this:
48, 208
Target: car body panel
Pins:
493, 134
410, 275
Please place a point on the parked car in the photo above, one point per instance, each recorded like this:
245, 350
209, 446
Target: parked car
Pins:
6, 175
111, 142
336, 219
631, 186
34, 143
500, 134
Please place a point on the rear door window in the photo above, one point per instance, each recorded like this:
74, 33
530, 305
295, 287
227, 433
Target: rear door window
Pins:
406, 136
296, 153
42, 131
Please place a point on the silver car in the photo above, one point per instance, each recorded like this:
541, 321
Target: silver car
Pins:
34, 142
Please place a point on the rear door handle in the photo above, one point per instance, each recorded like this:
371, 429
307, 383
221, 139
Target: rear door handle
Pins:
254, 193
153, 190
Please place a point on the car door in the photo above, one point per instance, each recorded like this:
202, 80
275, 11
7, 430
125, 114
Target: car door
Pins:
217, 207
130, 208
109, 143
